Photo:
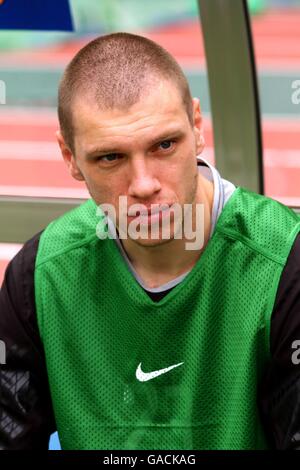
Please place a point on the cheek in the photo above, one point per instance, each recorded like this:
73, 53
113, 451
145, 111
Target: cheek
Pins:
183, 170
189, 177
105, 191
97, 188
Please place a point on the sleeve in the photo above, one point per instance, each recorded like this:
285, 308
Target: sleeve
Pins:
279, 396
26, 415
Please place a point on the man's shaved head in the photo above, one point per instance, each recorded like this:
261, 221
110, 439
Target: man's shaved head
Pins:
114, 71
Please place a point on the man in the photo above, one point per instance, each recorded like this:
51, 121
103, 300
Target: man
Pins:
126, 341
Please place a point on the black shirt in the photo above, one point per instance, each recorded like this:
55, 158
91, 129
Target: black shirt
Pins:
26, 414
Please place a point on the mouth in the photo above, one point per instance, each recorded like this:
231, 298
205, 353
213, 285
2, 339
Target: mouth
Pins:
147, 215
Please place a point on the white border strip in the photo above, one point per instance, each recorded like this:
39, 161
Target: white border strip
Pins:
288, 201
29, 150
9, 250
281, 158
44, 191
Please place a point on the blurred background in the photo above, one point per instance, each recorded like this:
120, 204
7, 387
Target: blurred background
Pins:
31, 64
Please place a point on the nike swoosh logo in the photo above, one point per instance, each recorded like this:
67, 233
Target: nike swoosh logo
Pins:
145, 376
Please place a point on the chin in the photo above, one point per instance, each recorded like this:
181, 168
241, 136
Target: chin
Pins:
152, 243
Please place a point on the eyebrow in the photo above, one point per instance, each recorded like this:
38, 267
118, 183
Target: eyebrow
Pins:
173, 133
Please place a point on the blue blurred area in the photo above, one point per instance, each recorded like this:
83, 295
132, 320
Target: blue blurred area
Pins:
36, 15
54, 443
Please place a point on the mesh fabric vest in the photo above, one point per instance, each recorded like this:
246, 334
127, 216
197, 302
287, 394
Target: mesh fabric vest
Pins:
97, 325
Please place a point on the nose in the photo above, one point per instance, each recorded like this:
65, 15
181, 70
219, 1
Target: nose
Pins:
143, 184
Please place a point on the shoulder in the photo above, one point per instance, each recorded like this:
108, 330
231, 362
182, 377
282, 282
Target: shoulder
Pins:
76, 228
260, 222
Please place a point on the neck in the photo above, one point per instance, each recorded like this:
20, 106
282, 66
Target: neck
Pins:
163, 262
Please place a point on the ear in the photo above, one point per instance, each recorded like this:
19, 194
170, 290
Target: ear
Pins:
69, 157
198, 126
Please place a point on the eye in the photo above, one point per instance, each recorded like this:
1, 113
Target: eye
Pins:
111, 157
166, 144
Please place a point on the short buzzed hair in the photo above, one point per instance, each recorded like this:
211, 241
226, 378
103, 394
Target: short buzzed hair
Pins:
114, 71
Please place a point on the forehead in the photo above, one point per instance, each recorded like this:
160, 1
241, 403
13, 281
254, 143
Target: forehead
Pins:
159, 106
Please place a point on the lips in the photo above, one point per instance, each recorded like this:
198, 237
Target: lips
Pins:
150, 215
144, 212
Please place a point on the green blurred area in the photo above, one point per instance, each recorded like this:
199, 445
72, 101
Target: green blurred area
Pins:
102, 16
256, 6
